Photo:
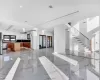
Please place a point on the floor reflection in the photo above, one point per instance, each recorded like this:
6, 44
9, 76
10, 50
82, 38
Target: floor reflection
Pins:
30, 68
89, 66
1, 62
6, 62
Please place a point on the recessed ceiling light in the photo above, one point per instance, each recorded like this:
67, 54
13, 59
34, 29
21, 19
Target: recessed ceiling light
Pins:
35, 28
50, 6
25, 21
21, 6
43, 31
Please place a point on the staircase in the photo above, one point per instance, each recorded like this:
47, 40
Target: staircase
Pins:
80, 38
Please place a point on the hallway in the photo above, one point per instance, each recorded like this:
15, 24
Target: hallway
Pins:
50, 40
43, 65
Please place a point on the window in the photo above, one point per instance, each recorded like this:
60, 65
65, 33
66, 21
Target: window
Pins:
92, 23
8, 38
13, 38
28, 36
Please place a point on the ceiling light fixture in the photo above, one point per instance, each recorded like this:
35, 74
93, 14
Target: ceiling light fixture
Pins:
50, 6
43, 31
35, 28
23, 29
25, 21
21, 6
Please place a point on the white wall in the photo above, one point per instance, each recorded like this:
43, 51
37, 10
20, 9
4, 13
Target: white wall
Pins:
59, 38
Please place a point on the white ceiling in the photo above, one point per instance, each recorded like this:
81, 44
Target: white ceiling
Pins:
37, 12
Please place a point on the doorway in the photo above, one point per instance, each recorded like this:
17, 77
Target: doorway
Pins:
42, 41
49, 41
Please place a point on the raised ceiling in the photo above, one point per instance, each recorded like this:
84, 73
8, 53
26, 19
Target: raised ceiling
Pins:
32, 13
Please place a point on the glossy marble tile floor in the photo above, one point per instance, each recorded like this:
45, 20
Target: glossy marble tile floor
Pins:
43, 65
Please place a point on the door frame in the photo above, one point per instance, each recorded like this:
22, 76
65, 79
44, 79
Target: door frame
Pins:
42, 42
49, 41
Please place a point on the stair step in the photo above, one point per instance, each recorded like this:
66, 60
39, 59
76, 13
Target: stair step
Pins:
79, 41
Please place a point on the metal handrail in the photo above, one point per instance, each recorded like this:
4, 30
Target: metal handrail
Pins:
77, 30
80, 33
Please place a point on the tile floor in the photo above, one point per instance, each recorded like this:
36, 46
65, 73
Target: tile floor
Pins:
30, 67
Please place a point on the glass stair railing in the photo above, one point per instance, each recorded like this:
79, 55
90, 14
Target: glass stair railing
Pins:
80, 38
82, 43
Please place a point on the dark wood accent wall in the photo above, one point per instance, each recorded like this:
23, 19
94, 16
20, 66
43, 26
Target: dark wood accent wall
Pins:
27, 44
11, 47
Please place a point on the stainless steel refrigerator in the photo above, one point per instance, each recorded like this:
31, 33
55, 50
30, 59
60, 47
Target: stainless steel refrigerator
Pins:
0, 43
